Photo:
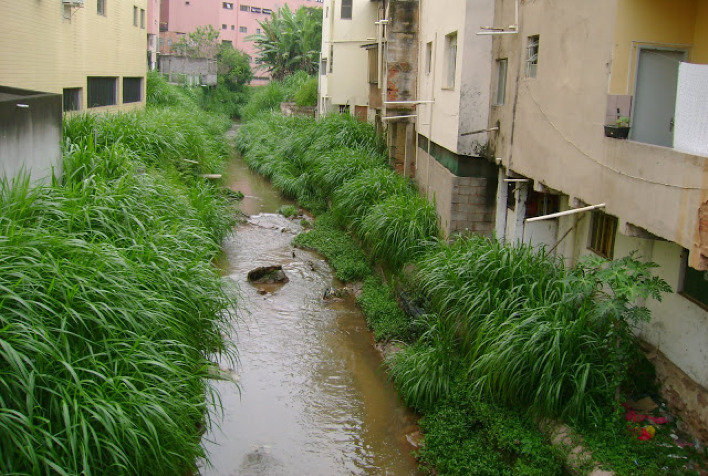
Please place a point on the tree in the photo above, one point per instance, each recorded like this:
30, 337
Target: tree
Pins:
234, 68
201, 43
290, 42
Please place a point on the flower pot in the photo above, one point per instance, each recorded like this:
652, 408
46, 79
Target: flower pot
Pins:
617, 132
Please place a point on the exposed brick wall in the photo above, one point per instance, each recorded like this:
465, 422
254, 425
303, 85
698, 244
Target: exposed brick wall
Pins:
464, 204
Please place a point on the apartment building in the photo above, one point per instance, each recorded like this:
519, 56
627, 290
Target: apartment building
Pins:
454, 73
562, 71
235, 21
90, 51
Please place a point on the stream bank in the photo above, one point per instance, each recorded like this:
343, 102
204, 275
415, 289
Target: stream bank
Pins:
313, 398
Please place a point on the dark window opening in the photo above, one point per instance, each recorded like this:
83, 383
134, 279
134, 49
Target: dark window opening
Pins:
346, 10
71, 99
101, 91
132, 90
693, 284
602, 237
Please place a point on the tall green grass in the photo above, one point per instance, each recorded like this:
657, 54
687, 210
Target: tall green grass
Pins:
531, 333
110, 309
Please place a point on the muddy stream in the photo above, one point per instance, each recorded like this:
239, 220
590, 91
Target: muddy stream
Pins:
314, 399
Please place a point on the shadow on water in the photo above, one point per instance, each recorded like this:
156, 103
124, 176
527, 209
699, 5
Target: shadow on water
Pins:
314, 399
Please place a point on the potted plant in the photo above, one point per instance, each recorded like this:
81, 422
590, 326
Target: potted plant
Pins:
618, 130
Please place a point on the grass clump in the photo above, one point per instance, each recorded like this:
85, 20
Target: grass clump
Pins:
347, 259
382, 312
306, 95
398, 229
289, 211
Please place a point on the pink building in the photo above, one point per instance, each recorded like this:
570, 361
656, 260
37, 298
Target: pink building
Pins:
234, 19
153, 30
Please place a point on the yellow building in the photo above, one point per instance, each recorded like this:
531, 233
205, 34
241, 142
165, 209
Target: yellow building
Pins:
93, 52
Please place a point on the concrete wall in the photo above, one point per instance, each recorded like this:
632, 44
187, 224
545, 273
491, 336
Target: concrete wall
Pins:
464, 107
30, 134
192, 71
47, 46
463, 204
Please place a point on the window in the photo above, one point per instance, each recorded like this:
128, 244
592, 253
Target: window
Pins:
142, 18
346, 13
450, 60
255, 10
132, 90
71, 99
258, 31
227, 43
532, 56
373, 65
693, 284
101, 7
242, 29
228, 5
233, 27
500, 97
243, 8
428, 57
323, 67
135, 16
101, 91
602, 236
331, 58
223, 26
267, 11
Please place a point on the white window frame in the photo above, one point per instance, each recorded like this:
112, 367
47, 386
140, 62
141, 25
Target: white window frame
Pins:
502, 71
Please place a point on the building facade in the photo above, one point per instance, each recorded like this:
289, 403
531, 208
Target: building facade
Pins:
570, 69
518, 108
92, 52
235, 21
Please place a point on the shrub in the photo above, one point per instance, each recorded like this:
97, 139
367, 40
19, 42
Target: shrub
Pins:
306, 95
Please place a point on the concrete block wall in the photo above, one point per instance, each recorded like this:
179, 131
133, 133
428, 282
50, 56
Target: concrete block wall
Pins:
464, 204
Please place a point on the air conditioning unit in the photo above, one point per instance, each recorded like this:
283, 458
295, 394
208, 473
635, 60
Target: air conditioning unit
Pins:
76, 3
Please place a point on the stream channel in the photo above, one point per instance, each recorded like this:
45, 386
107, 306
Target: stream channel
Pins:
314, 399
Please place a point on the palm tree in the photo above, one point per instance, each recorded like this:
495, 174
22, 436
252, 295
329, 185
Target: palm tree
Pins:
290, 42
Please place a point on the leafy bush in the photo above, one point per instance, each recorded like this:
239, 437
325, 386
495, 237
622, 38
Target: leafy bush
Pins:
466, 436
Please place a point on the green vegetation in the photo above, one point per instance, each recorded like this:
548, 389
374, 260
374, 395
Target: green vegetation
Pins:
382, 312
307, 94
465, 436
288, 211
503, 326
268, 98
110, 310
347, 259
290, 42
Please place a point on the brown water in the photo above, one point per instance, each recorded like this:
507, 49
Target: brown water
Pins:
314, 399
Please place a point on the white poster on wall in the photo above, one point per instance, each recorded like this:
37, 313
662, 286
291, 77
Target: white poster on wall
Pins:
691, 120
